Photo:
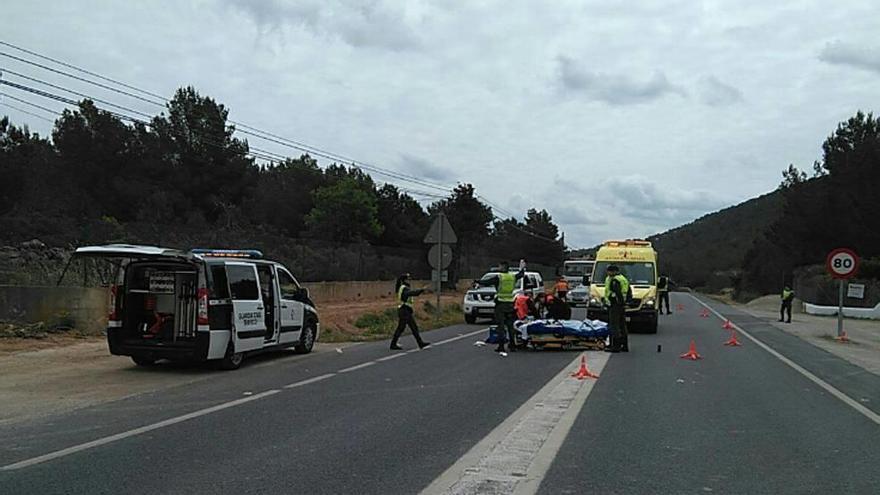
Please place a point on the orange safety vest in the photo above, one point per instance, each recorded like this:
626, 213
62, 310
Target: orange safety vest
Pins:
562, 285
521, 306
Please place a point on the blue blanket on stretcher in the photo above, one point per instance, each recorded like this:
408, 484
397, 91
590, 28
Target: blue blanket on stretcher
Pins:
593, 329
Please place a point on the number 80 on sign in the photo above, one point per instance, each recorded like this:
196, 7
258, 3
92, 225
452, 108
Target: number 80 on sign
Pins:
842, 263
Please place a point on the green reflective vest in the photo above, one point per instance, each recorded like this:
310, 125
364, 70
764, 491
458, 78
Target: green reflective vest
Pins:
624, 287
787, 295
403, 302
506, 285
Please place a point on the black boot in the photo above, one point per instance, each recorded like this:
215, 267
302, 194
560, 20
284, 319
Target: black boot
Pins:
500, 348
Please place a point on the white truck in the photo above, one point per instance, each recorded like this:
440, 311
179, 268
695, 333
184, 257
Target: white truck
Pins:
480, 302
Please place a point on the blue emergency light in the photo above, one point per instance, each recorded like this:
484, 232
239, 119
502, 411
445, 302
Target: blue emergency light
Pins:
228, 253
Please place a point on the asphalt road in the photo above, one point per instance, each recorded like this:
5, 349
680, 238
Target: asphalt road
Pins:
740, 420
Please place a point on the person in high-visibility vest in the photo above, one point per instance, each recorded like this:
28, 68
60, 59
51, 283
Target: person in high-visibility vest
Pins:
616, 295
787, 300
505, 284
561, 288
405, 315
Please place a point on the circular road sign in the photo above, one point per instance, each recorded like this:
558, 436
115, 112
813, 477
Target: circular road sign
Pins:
842, 263
445, 257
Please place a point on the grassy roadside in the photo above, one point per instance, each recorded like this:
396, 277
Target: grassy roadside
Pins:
380, 324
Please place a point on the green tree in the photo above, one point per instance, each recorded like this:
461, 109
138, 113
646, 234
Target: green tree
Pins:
211, 167
403, 219
284, 195
467, 214
344, 211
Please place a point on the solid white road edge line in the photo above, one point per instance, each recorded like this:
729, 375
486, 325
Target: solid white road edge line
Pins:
548, 415
137, 431
310, 380
815, 379
357, 367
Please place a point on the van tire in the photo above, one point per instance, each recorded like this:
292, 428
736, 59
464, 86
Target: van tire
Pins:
306, 340
143, 360
470, 319
231, 360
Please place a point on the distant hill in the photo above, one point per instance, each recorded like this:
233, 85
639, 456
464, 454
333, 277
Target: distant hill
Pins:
710, 251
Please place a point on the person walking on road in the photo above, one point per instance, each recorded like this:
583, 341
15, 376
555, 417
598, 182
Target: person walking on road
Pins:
787, 300
663, 292
405, 314
616, 290
504, 283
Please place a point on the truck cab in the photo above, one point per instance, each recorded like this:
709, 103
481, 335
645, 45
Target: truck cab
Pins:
577, 272
202, 305
637, 261
479, 302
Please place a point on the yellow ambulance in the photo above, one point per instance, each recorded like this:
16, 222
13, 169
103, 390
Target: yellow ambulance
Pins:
637, 260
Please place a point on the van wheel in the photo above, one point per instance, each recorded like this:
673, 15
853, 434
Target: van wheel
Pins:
143, 360
470, 319
231, 360
306, 340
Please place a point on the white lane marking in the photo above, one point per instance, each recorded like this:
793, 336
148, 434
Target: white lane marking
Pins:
310, 380
390, 357
137, 431
815, 379
453, 339
357, 367
179, 419
516, 455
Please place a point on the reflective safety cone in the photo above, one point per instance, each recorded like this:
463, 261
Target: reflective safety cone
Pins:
727, 325
843, 338
692, 352
732, 340
704, 313
583, 371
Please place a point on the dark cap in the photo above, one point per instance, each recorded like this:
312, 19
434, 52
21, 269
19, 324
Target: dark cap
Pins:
612, 268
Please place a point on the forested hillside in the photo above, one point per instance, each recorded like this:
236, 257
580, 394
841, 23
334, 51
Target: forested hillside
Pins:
756, 246
187, 178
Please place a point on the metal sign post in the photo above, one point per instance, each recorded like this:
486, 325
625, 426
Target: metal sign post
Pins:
440, 234
842, 264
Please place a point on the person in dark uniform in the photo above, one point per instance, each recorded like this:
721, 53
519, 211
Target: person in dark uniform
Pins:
405, 312
505, 284
616, 290
787, 300
663, 291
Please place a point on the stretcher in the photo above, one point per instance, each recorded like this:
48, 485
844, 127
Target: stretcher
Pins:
565, 334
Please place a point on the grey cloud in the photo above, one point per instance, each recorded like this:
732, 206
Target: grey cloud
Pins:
646, 200
839, 53
716, 93
359, 24
413, 165
576, 215
614, 89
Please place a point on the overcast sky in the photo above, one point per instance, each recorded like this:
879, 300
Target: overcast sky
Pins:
621, 118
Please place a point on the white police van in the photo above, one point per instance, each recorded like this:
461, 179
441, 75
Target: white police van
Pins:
202, 305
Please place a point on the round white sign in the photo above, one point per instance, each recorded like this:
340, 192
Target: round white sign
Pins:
842, 263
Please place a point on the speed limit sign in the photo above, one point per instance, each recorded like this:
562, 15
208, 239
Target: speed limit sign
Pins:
842, 263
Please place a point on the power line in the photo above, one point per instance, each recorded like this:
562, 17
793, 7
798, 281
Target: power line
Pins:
32, 114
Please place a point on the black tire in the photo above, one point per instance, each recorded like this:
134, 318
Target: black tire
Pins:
470, 319
231, 360
306, 340
143, 360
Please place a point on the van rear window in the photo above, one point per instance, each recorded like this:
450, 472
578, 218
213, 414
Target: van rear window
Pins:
243, 282
219, 284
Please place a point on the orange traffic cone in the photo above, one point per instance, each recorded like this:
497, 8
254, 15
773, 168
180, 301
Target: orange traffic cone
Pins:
732, 341
679, 307
727, 325
692, 352
583, 371
843, 338
704, 313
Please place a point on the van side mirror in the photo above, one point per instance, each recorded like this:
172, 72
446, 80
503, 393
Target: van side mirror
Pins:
302, 293
586, 280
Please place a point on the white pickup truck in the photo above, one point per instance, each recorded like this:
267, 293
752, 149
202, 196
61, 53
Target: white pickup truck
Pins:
480, 302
